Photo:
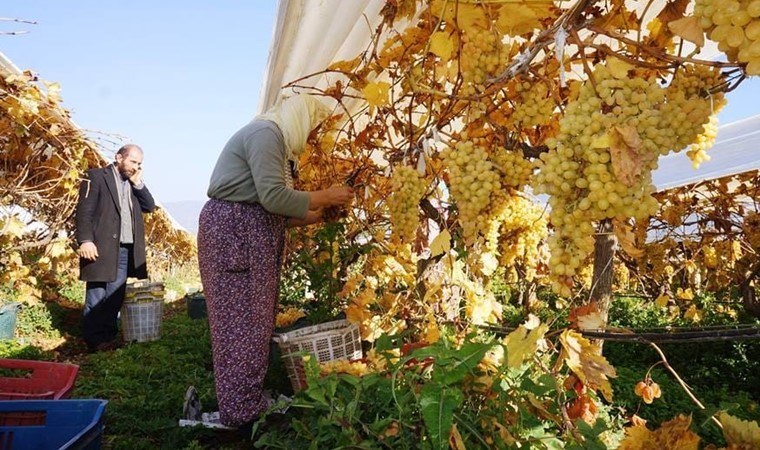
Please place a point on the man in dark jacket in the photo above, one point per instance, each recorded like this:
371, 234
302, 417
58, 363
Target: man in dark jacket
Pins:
111, 238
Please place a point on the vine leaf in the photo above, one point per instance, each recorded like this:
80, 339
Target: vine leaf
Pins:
626, 238
465, 15
523, 343
376, 93
441, 244
442, 45
587, 363
627, 162
587, 317
516, 21
688, 28
672, 435
739, 433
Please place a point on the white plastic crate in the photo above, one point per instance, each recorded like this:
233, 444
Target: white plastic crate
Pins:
328, 341
141, 321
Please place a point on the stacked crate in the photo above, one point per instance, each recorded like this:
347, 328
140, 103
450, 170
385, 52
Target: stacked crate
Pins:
142, 311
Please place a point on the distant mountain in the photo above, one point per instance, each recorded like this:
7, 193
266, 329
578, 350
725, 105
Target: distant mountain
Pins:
186, 213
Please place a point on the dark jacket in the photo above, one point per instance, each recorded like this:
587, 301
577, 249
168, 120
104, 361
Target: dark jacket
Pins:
98, 219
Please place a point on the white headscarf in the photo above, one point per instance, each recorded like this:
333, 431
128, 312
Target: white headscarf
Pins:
296, 116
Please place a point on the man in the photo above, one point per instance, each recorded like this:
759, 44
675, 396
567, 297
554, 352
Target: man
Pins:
111, 238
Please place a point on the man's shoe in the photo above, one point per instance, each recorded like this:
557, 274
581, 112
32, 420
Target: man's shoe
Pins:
104, 346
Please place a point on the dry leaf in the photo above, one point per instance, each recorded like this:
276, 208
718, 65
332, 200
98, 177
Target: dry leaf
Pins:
587, 317
583, 407
739, 433
455, 439
627, 163
688, 28
672, 435
626, 238
586, 361
441, 244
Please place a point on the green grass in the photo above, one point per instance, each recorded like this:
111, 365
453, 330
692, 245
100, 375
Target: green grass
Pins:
145, 385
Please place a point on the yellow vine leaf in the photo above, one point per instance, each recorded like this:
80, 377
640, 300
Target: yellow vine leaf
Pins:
740, 434
662, 301
442, 45
688, 28
587, 363
441, 244
376, 93
523, 343
431, 333
685, 294
53, 91
467, 15
672, 435
660, 33
58, 248
515, 21
12, 226
626, 238
345, 66
627, 163
693, 314
620, 18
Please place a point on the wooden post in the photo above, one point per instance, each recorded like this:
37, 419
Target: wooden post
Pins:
604, 255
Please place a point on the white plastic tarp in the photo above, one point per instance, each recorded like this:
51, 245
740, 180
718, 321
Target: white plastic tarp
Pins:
736, 150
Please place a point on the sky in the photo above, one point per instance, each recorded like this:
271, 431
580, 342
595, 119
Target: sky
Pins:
175, 77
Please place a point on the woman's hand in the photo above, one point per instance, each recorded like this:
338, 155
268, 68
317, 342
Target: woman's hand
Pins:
341, 195
312, 216
334, 196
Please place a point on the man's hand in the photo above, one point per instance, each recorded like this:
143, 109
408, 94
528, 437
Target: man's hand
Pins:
88, 251
136, 177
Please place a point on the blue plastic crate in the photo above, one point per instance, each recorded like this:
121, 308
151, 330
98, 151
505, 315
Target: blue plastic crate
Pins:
51, 424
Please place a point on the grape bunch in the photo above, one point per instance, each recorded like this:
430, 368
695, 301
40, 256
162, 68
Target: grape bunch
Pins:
483, 54
515, 169
288, 317
599, 165
356, 368
472, 181
535, 105
522, 231
697, 153
735, 26
407, 189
